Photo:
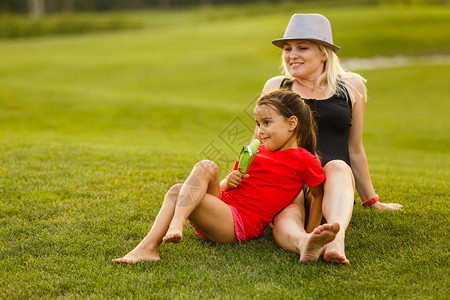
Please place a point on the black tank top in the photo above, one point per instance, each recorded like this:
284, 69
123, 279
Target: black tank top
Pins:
333, 117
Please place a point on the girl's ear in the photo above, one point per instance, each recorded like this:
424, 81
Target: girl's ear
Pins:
292, 123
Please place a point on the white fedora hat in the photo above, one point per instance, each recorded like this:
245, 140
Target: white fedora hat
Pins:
308, 27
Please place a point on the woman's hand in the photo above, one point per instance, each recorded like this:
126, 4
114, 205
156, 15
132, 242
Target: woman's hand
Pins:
235, 178
386, 206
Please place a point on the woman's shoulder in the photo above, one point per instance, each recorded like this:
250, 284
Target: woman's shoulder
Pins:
356, 87
273, 83
355, 80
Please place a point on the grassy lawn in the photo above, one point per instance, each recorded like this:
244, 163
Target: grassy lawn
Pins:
95, 128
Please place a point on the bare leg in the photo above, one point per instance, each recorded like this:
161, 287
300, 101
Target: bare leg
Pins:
288, 225
289, 232
198, 200
209, 212
337, 206
147, 250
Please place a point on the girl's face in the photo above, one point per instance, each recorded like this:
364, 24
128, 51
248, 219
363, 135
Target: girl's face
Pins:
274, 130
303, 59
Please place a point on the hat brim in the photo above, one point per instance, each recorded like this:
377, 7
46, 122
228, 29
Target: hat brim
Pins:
280, 43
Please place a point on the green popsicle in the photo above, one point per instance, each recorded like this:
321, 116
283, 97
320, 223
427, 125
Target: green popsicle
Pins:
247, 155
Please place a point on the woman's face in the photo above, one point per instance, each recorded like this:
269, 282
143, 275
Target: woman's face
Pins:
303, 59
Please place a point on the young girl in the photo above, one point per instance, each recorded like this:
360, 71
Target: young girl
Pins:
241, 206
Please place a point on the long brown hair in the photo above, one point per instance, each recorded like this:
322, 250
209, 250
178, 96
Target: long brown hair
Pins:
288, 103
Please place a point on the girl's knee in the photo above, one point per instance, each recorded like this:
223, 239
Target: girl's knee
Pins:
175, 189
207, 168
172, 193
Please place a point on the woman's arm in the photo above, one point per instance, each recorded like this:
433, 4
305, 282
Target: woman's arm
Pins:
358, 157
315, 210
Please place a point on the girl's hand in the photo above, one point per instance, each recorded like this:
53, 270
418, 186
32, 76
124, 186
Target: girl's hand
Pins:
235, 178
386, 206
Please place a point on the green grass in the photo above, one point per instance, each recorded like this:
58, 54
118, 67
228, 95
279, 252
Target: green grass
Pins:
95, 128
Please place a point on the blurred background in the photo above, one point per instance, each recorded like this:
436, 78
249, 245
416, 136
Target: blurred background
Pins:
151, 72
104, 104
41, 7
116, 71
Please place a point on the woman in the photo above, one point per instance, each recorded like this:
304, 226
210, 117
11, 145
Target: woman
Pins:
337, 98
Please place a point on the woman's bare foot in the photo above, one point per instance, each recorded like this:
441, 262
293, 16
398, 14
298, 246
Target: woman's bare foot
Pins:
138, 255
173, 235
311, 249
334, 251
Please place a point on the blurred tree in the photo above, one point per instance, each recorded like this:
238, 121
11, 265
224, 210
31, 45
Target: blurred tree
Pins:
36, 8
68, 5
40, 7
164, 4
20, 6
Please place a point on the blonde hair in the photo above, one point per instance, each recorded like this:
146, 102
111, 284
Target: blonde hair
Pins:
334, 76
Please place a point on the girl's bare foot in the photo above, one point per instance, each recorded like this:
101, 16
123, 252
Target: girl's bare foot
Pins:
173, 235
311, 249
334, 252
138, 255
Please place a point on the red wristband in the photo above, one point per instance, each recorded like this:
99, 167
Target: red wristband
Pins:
371, 201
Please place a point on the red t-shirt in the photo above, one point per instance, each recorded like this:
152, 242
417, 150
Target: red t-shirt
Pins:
276, 178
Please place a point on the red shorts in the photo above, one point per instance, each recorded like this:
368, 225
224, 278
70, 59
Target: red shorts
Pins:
238, 225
